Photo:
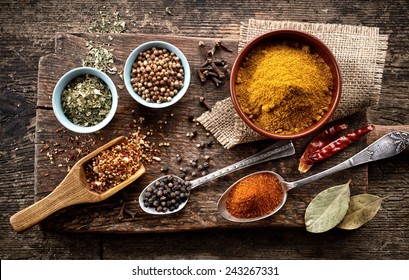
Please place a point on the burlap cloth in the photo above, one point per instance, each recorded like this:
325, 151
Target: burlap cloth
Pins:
359, 50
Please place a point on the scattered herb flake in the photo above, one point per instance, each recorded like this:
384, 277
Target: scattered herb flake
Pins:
100, 58
108, 23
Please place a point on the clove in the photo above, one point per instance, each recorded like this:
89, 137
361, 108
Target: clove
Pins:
129, 212
201, 76
212, 51
221, 62
203, 102
213, 69
208, 73
121, 212
216, 81
216, 69
224, 47
201, 47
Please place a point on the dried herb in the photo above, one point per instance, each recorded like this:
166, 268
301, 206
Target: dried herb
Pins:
100, 58
362, 208
108, 24
86, 100
327, 209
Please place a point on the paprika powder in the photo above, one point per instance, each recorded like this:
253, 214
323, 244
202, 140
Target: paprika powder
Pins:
255, 196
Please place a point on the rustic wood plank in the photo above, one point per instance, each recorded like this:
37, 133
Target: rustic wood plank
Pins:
169, 125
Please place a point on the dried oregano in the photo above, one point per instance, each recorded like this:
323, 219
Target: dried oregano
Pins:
101, 59
109, 23
362, 208
327, 209
86, 100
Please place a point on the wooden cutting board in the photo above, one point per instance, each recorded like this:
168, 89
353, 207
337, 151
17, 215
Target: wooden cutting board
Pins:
57, 149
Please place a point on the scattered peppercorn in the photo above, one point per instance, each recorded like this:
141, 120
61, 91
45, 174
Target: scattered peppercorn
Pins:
179, 158
191, 134
205, 165
157, 75
193, 162
167, 194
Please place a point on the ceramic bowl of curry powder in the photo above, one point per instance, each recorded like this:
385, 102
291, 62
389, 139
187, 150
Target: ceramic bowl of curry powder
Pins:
285, 84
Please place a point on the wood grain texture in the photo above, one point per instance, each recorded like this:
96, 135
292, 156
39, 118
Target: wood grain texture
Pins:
201, 211
27, 33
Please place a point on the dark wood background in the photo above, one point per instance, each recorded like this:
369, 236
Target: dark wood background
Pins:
27, 32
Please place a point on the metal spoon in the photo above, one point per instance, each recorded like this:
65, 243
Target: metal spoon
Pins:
278, 150
72, 190
387, 146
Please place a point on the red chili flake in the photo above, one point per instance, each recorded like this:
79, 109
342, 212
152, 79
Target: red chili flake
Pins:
118, 163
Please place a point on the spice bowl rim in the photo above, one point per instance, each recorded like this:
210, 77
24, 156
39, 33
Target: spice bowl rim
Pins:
294, 35
61, 85
128, 68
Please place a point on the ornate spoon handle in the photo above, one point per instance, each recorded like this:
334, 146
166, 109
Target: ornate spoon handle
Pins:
278, 150
387, 146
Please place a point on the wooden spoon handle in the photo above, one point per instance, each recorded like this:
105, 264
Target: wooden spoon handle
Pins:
381, 130
69, 192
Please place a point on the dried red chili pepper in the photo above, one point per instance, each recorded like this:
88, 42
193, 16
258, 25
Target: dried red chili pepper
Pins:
318, 142
339, 144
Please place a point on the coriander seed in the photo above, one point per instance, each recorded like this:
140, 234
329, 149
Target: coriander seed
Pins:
157, 75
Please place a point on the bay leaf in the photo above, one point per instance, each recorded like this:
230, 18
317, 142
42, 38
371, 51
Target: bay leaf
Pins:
327, 209
362, 208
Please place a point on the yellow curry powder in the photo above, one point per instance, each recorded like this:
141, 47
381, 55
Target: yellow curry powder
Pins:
284, 88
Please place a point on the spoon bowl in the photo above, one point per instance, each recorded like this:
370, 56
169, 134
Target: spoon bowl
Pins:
222, 208
74, 189
153, 211
387, 146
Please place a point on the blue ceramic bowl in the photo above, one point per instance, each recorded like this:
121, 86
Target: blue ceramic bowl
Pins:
64, 81
128, 69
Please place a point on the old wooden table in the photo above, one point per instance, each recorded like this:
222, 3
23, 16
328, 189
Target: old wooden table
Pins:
28, 30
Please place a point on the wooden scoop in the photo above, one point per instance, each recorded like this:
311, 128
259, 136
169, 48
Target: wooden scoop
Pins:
72, 190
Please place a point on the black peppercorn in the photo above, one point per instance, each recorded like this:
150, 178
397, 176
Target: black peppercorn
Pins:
168, 194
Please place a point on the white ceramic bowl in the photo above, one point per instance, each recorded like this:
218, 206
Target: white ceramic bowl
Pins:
64, 81
128, 69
